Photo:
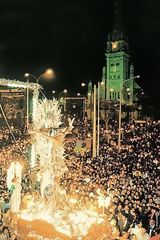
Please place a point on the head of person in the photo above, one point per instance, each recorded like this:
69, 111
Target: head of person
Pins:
153, 210
139, 224
151, 222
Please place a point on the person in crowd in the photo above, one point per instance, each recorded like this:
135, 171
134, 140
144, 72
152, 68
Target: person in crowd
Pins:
151, 230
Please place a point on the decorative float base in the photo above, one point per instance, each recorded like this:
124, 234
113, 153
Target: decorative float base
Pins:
40, 229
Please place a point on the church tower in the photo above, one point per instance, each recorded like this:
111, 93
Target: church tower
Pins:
119, 72
117, 57
118, 80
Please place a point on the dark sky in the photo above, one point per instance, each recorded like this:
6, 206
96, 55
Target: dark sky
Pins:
70, 36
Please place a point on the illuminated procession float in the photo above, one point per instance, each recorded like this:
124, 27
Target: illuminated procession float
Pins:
48, 212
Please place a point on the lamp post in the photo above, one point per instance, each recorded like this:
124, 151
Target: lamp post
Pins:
94, 150
120, 110
100, 84
98, 113
48, 74
84, 85
59, 97
27, 124
64, 91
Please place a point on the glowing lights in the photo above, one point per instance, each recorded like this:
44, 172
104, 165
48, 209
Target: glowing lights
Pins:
76, 223
89, 135
65, 90
26, 75
19, 84
47, 114
57, 209
49, 73
138, 76
114, 45
83, 84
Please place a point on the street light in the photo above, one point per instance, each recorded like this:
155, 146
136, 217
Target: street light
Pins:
64, 91
78, 94
48, 74
120, 109
83, 84
98, 119
60, 99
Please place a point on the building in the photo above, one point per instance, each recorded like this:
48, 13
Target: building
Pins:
118, 80
75, 106
17, 101
13, 101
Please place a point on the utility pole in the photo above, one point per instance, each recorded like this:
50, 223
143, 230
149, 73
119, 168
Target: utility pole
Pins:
27, 120
94, 123
98, 113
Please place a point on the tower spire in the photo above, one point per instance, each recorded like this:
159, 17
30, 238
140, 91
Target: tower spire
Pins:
117, 15
118, 32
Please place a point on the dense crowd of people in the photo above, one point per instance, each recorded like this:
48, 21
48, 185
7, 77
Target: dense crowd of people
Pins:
123, 184
6, 135
130, 176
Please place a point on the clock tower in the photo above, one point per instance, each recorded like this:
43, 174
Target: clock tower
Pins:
117, 59
118, 79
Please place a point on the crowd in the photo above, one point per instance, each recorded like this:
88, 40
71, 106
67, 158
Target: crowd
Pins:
127, 180
130, 176
6, 135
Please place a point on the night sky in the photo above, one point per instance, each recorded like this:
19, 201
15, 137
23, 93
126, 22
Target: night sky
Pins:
70, 37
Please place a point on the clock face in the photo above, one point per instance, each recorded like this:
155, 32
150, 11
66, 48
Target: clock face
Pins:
114, 45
